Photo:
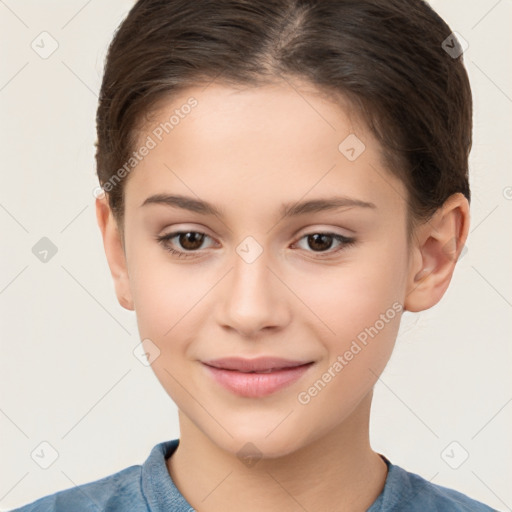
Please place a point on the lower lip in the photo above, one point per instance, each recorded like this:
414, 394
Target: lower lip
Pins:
257, 385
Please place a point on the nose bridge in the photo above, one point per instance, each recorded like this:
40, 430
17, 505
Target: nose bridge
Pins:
254, 298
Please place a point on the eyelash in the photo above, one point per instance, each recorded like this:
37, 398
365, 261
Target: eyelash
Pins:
164, 239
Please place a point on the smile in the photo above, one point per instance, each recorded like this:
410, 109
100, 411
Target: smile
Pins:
255, 378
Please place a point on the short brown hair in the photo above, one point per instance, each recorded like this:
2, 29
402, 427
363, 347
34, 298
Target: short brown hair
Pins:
385, 56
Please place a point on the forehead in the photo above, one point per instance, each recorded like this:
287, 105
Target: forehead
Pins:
279, 141
279, 105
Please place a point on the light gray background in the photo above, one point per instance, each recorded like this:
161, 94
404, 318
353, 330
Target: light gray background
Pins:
68, 374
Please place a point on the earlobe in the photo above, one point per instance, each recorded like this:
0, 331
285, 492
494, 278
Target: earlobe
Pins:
438, 244
114, 252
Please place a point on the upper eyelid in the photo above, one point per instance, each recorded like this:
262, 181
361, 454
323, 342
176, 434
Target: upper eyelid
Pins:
312, 231
307, 230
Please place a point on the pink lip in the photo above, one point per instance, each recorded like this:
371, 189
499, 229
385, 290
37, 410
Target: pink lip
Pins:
232, 373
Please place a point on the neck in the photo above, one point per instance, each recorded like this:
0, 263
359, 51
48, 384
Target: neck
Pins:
337, 471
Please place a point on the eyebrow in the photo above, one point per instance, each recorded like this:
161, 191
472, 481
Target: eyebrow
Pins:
287, 210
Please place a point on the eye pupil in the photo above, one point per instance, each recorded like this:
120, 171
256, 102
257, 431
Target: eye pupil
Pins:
313, 240
190, 240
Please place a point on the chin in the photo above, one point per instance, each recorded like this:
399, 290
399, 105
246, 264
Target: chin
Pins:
260, 441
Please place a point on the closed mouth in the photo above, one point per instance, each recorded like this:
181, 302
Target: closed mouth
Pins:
257, 365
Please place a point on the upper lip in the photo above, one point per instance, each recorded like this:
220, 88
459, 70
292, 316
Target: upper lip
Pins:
253, 365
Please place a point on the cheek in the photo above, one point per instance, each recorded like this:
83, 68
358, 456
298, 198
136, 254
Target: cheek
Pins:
365, 332
163, 292
349, 298
358, 349
167, 301
360, 306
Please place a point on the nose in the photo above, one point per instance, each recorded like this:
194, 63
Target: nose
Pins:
253, 298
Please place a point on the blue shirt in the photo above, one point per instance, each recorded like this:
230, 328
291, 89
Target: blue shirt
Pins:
149, 488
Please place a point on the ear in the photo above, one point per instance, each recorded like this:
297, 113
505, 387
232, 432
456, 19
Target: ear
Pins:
437, 245
114, 250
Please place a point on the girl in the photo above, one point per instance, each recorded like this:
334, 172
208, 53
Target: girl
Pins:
282, 180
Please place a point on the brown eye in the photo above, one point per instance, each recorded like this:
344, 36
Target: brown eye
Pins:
187, 243
322, 243
191, 240
319, 241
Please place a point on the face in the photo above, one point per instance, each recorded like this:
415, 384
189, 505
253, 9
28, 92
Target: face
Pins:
267, 269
